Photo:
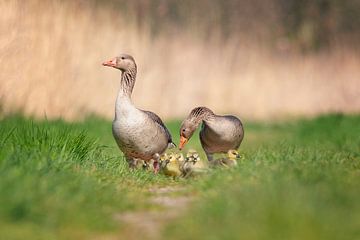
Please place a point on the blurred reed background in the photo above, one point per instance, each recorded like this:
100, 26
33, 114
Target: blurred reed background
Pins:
258, 59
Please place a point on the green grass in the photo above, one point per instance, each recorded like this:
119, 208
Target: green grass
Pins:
59, 181
297, 180
301, 184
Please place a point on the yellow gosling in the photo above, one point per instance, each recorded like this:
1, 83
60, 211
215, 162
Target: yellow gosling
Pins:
170, 166
229, 161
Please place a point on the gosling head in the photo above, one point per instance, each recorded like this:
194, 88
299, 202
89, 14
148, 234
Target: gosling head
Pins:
123, 62
192, 153
192, 156
187, 129
179, 157
163, 157
171, 162
233, 154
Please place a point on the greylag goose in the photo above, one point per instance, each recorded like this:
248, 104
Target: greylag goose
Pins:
139, 134
218, 134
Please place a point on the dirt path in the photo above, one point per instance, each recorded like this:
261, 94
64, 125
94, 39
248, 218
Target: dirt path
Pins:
149, 224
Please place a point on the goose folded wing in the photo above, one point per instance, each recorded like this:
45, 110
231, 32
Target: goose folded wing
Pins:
158, 120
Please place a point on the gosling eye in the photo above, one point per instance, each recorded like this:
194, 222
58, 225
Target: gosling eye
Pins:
183, 130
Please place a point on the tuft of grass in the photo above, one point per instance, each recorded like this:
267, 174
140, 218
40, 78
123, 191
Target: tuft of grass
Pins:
59, 182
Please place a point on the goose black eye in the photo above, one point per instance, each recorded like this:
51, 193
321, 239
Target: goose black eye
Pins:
183, 130
122, 58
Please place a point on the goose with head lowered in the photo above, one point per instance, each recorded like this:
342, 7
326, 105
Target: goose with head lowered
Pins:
218, 134
139, 134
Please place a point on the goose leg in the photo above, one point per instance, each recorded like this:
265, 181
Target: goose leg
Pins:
156, 164
210, 157
212, 162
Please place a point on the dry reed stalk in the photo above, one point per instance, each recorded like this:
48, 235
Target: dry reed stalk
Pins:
51, 54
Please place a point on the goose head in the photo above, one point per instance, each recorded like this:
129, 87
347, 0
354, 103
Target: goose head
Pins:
187, 129
192, 122
123, 62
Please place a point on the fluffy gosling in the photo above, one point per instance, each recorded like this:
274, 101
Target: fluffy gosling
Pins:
171, 166
193, 165
229, 161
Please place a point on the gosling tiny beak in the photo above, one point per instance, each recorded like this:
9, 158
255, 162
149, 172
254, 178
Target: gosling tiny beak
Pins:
110, 63
183, 141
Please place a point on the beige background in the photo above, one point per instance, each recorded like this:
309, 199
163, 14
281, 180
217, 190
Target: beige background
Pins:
51, 54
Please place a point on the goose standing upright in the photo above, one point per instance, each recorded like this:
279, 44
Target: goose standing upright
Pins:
139, 134
218, 134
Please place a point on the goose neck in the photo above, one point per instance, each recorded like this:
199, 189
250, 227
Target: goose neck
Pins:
201, 114
123, 101
127, 82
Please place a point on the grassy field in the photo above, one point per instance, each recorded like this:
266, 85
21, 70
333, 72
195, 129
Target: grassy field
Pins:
297, 180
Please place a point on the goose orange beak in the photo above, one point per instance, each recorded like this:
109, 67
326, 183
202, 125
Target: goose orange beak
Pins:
183, 141
110, 63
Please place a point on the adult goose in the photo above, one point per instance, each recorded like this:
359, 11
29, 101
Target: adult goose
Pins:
139, 134
218, 134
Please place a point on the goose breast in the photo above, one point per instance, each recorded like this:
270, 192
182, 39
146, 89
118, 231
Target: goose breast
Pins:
138, 136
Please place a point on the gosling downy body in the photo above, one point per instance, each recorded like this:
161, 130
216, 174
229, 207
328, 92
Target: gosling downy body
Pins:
138, 133
218, 134
193, 165
229, 161
171, 166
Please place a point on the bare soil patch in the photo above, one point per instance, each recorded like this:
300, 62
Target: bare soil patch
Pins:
149, 224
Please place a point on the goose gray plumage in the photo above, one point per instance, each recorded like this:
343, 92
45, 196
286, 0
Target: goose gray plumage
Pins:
138, 133
218, 134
